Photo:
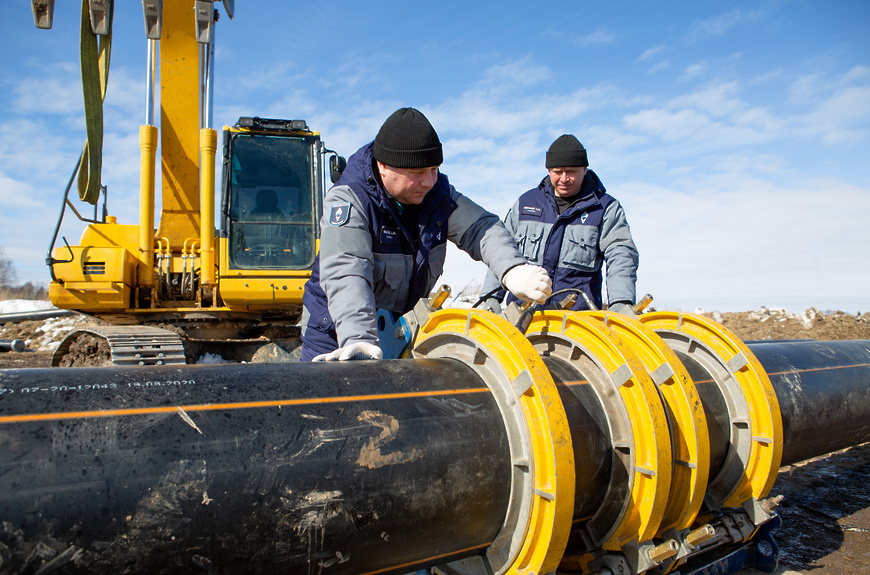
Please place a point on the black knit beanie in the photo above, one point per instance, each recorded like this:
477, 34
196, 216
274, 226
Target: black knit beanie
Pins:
408, 140
567, 152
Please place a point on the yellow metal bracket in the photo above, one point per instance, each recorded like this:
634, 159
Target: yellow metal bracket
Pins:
688, 424
538, 521
636, 418
755, 445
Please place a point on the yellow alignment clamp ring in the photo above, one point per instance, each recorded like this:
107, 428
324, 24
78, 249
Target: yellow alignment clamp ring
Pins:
688, 423
538, 520
643, 445
756, 422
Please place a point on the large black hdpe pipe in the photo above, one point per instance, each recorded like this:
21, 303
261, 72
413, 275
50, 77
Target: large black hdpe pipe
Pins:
356, 467
340, 467
823, 389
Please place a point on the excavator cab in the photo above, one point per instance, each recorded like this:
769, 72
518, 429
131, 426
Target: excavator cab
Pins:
270, 206
269, 198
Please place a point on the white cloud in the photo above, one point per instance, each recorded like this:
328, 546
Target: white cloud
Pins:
650, 53
48, 91
599, 36
695, 70
725, 237
658, 67
15, 194
836, 110
721, 24
765, 78
473, 145
857, 74
843, 117
806, 87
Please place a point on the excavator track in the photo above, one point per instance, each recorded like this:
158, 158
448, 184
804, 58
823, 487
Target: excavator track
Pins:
128, 345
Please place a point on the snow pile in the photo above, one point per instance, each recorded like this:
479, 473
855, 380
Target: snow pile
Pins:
210, 358
764, 314
808, 316
24, 305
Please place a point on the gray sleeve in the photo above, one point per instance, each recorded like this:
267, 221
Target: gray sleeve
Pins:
620, 254
491, 282
346, 269
481, 235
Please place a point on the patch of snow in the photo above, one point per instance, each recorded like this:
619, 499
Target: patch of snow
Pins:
24, 305
808, 316
461, 301
53, 330
209, 358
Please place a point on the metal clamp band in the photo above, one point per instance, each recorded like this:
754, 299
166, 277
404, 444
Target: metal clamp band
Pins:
538, 521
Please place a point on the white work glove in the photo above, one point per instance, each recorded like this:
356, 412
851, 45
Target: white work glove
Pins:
528, 282
624, 308
358, 350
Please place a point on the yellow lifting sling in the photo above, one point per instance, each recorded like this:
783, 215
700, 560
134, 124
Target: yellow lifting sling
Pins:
95, 76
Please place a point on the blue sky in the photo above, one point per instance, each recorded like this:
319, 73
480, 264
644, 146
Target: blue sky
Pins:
736, 135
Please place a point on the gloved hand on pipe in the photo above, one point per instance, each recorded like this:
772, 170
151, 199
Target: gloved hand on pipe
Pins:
623, 307
358, 350
528, 282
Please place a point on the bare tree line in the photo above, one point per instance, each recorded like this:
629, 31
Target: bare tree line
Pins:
9, 288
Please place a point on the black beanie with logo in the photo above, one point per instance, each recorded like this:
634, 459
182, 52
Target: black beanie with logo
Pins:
408, 140
567, 152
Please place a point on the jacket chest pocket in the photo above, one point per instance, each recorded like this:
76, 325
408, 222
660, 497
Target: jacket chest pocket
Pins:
580, 248
528, 238
390, 281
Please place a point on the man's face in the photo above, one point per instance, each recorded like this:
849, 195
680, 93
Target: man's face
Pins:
408, 185
567, 181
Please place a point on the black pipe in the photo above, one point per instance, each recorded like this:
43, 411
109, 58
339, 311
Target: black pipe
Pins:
715, 410
361, 467
823, 390
17, 345
367, 467
37, 315
590, 436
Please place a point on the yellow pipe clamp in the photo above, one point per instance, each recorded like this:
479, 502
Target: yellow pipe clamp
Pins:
538, 521
637, 425
755, 444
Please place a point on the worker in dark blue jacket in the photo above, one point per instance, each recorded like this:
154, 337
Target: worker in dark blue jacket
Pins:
384, 234
572, 227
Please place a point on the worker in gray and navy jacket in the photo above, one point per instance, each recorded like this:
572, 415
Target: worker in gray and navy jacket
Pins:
384, 235
570, 225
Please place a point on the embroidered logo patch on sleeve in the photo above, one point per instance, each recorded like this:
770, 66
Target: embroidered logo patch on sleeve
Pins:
339, 213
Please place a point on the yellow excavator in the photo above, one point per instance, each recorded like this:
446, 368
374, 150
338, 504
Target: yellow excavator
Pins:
175, 293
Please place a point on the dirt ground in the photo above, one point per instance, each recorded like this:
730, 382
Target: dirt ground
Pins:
774, 323
826, 506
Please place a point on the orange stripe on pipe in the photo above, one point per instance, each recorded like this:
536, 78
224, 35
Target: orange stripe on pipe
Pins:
218, 406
